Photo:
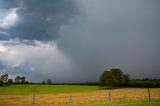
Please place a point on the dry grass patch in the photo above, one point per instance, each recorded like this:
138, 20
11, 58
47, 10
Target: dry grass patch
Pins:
101, 96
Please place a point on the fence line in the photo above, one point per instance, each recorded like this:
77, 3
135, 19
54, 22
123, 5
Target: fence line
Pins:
149, 95
33, 103
70, 100
109, 95
75, 99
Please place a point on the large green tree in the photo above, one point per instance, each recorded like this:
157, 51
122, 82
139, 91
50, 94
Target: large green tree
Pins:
106, 79
117, 75
113, 78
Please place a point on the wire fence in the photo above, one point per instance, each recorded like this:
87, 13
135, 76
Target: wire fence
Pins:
80, 99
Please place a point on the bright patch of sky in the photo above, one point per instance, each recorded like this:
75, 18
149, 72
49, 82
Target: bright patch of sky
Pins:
8, 18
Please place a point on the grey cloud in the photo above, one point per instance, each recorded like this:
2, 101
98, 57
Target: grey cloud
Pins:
7, 4
90, 36
114, 34
4, 35
15, 42
38, 62
2, 65
39, 20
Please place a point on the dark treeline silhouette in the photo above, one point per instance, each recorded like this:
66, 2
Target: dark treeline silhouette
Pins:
152, 83
4, 81
92, 83
21, 80
116, 78
48, 82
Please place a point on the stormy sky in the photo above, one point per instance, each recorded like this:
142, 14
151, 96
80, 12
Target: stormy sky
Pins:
76, 40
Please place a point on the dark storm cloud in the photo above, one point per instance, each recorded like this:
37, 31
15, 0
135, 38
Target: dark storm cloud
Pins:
39, 20
83, 38
4, 35
2, 65
115, 34
7, 4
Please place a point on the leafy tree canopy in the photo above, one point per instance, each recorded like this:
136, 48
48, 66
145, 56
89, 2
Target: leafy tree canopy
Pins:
113, 78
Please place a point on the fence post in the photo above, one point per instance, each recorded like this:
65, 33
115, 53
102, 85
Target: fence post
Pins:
149, 96
33, 100
70, 100
109, 96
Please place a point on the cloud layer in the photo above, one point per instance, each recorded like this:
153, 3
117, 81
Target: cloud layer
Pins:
76, 40
121, 34
38, 62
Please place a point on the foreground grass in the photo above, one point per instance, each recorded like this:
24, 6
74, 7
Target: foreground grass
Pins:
44, 89
59, 95
141, 103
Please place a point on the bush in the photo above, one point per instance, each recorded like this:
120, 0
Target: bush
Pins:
92, 83
1, 83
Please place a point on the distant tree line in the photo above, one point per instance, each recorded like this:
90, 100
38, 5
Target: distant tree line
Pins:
152, 83
48, 82
109, 79
116, 78
5, 81
21, 80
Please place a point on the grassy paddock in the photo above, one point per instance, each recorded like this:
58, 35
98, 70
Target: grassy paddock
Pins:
142, 103
59, 95
45, 89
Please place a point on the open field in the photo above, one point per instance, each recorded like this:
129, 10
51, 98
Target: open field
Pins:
62, 95
142, 103
45, 89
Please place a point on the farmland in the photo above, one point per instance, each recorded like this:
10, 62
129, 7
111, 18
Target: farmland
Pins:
143, 103
44, 89
56, 95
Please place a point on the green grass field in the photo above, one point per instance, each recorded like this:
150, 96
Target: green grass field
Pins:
143, 103
59, 95
45, 89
